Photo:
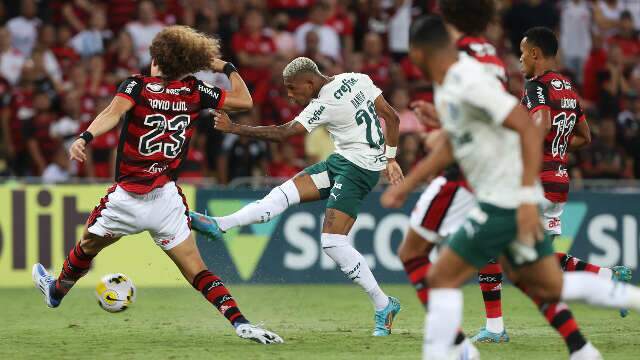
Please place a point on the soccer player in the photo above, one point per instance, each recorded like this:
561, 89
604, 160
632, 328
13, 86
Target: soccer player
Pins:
159, 112
349, 105
485, 125
442, 207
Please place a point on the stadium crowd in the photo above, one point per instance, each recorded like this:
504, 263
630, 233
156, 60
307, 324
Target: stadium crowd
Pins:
61, 61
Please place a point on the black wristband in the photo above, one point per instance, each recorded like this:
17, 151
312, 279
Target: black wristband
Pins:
229, 68
86, 136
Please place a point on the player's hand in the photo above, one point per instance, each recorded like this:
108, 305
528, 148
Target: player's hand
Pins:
76, 152
221, 121
217, 65
529, 225
393, 172
426, 113
394, 197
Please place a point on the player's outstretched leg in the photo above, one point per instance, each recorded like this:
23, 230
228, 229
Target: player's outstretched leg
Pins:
75, 266
354, 266
260, 211
490, 280
560, 318
619, 273
187, 257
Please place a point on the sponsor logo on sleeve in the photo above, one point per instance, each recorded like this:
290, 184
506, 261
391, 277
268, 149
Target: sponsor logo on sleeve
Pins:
540, 93
130, 87
316, 115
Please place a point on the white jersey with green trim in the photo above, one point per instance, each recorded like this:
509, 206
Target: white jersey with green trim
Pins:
346, 106
472, 105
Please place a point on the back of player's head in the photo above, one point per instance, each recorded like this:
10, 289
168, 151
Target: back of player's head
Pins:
430, 32
471, 17
180, 50
298, 66
543, 38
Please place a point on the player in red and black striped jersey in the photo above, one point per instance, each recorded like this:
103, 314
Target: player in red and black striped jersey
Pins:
159, 114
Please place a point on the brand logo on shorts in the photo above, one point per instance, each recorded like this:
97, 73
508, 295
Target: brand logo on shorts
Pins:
166, 241
553, 223
156, 168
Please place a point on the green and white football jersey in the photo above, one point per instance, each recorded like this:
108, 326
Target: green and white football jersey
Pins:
472, 105
346, 106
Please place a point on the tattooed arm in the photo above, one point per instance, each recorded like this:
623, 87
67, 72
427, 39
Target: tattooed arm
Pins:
271, 133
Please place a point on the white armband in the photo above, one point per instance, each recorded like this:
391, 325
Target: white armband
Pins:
390, 151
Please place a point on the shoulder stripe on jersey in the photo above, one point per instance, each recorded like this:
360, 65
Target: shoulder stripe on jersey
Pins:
127, 97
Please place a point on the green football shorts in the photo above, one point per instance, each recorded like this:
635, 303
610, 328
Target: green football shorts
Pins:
343, 183
491, 231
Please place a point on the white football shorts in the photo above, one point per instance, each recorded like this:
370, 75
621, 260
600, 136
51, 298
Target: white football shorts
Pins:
163, 212
441, 209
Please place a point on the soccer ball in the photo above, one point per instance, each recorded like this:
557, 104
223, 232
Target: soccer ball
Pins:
115, 292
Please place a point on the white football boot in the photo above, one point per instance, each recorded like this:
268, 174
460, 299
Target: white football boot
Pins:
44, 282
258, 334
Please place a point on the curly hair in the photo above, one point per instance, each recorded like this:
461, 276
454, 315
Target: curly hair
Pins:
471, 17
180, 50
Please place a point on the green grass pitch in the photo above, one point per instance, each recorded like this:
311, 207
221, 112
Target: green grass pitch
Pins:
316, 321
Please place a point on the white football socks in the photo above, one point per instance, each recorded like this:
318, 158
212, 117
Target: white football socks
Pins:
595, 290
495, 325
354, 266
444, 318
605, 273
261, 211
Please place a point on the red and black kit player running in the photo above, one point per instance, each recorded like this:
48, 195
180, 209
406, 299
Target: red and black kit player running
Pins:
159, 113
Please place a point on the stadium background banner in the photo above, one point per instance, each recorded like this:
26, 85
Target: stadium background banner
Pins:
40, 223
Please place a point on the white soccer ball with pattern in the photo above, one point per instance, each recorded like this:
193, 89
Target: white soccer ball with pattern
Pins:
115, 292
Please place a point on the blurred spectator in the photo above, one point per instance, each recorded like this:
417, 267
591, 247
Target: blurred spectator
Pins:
312, 51
143, 30
76, 13
605, 159
121, 60
253, 49
629, 131
11, 59
284, 163
409, 123
526, 14
399, 25
376, 64
282, 37
241, 156
90, 42
41, 146
575, 36
606, 15
102, 153
58, 170
64, 53
339, 19
614, 84
329, 39
627, 39
24, 28
409, 151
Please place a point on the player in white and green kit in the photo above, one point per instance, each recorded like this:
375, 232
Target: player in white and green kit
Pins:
499, 150
349, 105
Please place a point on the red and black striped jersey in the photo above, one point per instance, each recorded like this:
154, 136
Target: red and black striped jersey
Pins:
155, 135
484, 52
555, 92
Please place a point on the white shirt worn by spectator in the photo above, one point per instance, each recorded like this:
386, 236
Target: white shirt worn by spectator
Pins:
575, 25
11, 62
610, 13
52, 66
24, 33
88, 43
142, 36
54, 173
634, 8
329, 39
399, 26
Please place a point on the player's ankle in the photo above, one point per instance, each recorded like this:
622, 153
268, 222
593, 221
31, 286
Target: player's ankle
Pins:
240, 321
